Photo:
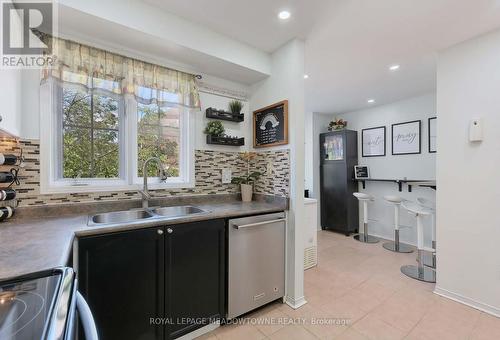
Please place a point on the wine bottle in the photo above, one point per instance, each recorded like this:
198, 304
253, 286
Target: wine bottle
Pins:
5, 213
6, 177
7, 159
7, 194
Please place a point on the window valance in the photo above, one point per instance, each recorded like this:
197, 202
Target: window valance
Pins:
99, 69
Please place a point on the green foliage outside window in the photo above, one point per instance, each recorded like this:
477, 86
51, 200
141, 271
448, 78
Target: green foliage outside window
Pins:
158, 136
91, 136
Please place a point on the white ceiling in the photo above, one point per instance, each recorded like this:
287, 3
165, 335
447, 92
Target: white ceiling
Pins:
253, 22
350, 43
347, 56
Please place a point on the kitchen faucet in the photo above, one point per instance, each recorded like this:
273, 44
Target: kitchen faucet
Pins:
146, 196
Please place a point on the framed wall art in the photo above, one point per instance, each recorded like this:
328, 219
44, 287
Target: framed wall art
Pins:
406, 138
270, 125
373, 142
432, 134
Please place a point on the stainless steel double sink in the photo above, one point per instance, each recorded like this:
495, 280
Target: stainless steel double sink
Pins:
134, 215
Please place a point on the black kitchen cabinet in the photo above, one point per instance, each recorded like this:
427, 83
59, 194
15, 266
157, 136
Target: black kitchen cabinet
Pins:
174, 274
121, 275
195, 276
338, 156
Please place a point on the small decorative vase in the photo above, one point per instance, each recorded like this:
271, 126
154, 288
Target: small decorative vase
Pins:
246, 192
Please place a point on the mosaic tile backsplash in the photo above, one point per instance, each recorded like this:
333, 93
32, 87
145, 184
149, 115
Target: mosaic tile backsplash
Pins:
275, 165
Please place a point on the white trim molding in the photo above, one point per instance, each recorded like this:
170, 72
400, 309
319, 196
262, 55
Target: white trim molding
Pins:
467, 301
221, 91
295, 303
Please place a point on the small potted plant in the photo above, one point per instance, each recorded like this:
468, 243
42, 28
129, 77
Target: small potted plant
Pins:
246, 182
214, 129
337, 124
235, 107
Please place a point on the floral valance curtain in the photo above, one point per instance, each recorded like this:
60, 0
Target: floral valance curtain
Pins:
98, 69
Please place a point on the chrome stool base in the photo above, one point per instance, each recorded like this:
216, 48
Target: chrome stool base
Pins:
429, 260
366, 238
401, 248
422, 274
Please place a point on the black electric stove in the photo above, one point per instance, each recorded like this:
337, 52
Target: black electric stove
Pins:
38, 306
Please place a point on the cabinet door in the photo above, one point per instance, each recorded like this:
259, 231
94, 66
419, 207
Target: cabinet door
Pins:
195, 275
121, 275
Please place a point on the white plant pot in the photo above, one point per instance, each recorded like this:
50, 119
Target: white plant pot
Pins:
246, 192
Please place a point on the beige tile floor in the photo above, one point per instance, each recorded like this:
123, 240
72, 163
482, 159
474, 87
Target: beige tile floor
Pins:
362, 284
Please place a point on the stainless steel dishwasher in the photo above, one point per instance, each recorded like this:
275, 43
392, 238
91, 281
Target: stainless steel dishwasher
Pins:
256, 262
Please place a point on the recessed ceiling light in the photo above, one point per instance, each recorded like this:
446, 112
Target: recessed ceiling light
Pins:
371, 101
283, 15
394, 67
306, 76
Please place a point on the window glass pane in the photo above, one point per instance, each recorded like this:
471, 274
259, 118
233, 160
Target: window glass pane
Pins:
106, 154
90, 135
158, 136
105, 112
76, 108
76, 146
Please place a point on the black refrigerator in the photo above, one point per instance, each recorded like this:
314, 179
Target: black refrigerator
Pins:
338, 156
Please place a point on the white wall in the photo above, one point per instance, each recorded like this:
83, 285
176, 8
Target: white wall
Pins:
319, 125
11, 101
419, 166
287, 82
221, 101
468, 233
422, 166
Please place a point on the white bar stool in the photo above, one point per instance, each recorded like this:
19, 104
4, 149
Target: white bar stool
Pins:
396, 246
430, 259
419, 272
364, 237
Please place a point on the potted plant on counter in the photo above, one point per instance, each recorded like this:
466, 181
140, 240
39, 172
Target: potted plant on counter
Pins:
246, 182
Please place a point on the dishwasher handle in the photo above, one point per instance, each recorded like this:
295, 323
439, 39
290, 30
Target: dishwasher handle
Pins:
249, 225
86, 318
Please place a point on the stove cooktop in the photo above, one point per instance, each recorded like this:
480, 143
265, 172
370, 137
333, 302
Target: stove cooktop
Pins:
27, 305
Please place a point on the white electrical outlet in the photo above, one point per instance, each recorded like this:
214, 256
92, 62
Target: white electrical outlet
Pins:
269, 168
226, 176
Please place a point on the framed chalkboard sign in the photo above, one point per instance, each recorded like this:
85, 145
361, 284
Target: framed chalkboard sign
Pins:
270, 125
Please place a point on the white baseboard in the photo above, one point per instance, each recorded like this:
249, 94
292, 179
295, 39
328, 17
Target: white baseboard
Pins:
199, 332
467, 301
295, 303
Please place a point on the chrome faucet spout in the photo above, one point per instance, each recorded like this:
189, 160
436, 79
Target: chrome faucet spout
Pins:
146, 196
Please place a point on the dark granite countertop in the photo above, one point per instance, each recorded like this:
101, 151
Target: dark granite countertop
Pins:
42, 238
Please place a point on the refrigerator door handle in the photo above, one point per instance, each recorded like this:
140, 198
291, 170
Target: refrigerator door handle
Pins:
236, 226
86, 318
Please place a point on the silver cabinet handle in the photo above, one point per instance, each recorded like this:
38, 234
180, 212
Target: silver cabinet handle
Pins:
169, 230
160, 232
236, 226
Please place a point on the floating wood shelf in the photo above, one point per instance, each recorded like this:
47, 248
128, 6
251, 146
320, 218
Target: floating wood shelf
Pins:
229, 141
224, 115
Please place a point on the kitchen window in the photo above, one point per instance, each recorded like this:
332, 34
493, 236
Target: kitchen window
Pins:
91, 134
102, 117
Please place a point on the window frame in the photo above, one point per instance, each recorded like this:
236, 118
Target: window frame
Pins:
51, 148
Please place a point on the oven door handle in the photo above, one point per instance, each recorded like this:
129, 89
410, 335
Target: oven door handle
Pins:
237, 226
86, 318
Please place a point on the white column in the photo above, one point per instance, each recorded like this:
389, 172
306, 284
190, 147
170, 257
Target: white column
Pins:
287, 82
